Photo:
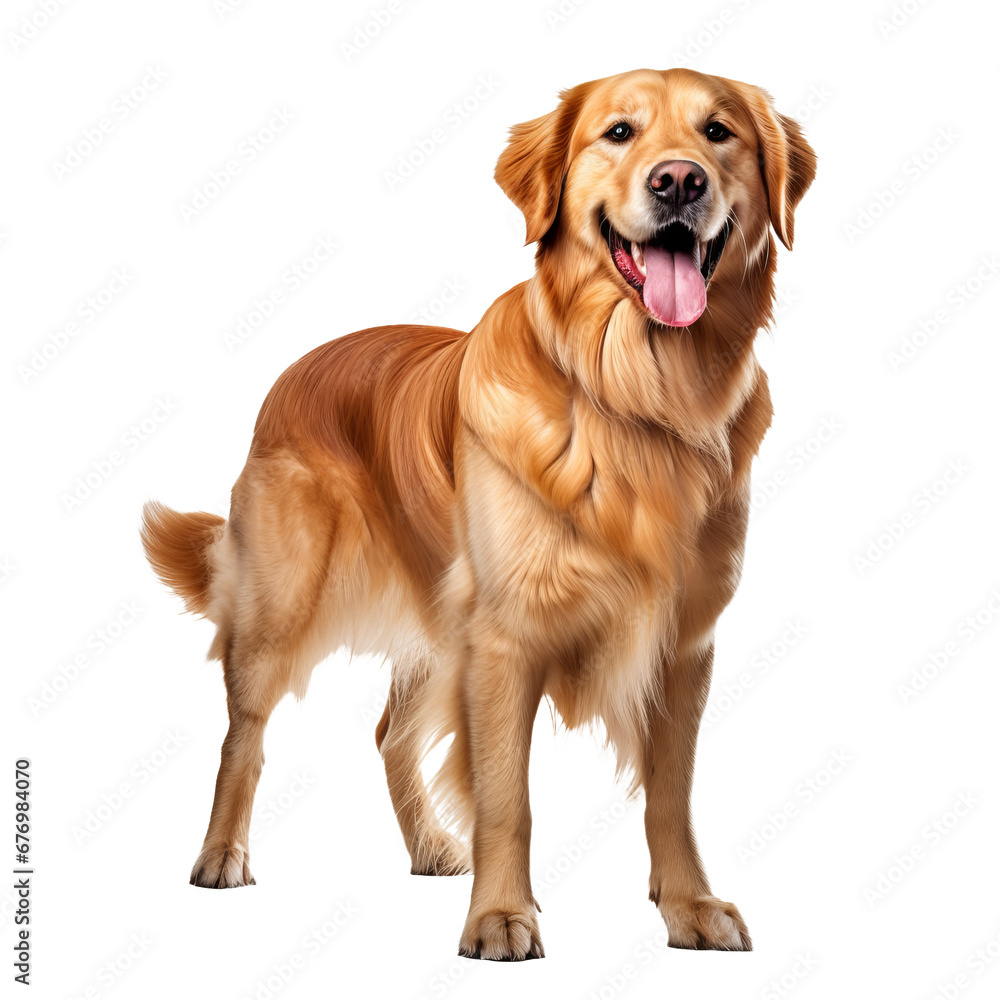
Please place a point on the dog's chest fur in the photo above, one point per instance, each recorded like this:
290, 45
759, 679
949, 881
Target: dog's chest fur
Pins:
595, 590
605, 544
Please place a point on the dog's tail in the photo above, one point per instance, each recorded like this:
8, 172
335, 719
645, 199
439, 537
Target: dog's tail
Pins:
180, 548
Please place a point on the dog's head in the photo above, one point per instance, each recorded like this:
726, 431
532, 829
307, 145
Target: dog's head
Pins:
665, 185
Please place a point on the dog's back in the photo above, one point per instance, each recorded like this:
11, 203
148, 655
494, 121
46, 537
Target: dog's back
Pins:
348, 485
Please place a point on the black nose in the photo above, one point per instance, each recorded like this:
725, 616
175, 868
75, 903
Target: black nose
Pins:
678, 181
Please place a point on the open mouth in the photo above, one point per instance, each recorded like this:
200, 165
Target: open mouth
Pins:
670, 271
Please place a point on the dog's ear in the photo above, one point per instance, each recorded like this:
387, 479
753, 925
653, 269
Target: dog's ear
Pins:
787, 161
532, 168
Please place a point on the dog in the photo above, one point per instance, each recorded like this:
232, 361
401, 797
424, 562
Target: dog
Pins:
552, 505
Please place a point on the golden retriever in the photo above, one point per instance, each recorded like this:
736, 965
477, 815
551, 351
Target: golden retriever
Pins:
554, 504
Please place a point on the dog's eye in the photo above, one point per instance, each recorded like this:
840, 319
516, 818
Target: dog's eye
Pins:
619, 132
717, 132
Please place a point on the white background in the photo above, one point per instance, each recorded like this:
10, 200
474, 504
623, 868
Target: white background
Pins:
874, 100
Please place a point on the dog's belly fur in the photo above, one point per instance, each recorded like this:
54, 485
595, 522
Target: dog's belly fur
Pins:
347, 531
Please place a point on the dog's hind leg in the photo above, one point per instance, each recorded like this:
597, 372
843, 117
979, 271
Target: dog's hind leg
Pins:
401, 737
283, 539
224, 861
258, 674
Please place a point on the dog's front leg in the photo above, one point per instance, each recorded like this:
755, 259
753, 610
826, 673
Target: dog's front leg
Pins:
677, 883
502, 690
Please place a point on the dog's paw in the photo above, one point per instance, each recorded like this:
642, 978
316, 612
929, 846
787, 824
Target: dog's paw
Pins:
442, 855
222, 868
501, 936
705, 924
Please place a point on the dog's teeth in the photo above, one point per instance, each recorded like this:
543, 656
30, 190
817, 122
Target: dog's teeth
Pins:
640, 261
699, 253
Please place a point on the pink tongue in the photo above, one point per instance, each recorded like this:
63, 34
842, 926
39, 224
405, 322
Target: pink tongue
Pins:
674, 290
